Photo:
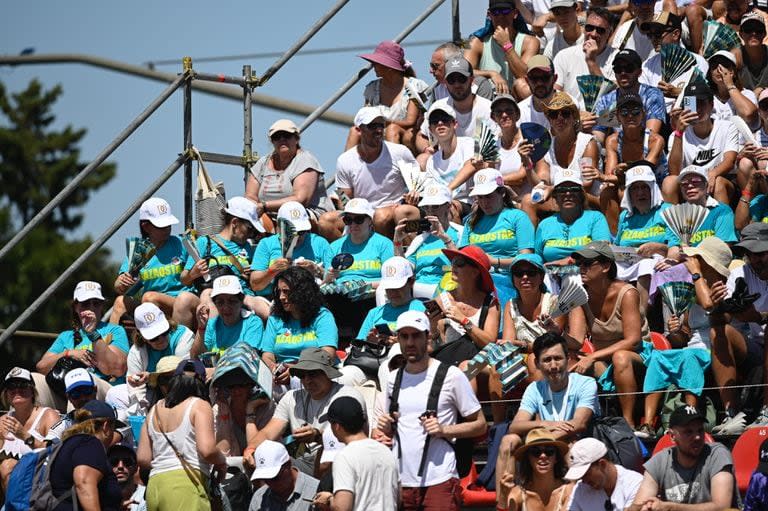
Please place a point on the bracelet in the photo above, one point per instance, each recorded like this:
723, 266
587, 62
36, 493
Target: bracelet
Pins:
745, 201
507, 46
465, 321
732, 87
678, 134
398, 244
747, 194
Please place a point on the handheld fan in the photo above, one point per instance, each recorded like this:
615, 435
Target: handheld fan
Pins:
288, 237
626, 255
139, 251
572, 295
189, 245
675, 60
412, 175
413, 95
684, 220
486, 143
678, 296
592, 87
539, 136
355, 290
718, 36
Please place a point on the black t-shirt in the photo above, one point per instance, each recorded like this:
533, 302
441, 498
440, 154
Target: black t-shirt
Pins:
84, 450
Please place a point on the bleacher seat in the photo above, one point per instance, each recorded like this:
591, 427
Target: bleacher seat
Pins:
660, 342
745, 455
666, 441
473, 495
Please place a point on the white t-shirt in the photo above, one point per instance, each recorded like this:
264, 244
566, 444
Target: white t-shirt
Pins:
708, 152
586, 498
637, 41
298, 408
379, 182
481, 109
570, 63
558, 43
529, 114
651, 74
456, 399
369, 470
754, 285
727, 110
444, 170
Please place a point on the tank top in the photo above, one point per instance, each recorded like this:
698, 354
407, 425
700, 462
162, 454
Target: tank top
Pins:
454, 331
184, 440
526, 330
611, 330
582, 140
495, 59
14, 447
661, 171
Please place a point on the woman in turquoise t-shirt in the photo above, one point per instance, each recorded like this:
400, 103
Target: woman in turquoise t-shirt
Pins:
159, 280
298, 321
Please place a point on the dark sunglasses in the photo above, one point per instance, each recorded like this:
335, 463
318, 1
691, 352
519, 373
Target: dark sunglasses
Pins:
456, 78
281, 135
563, 190
753, 30
437, 119
358, 219
535, 77
81, 392
509, 111
538, 451
375, 126
434, 66
17, 385
692, 183
594, 28
126, 461
499, 12
557, 11
524, 273
587, 263
564, 113
658, 32
630, 111
624, 69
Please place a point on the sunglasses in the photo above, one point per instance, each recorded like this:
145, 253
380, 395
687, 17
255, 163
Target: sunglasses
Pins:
525, 273
564, 113
434, 66
437, 119
499, 12
594, 28
357, 219
558, 11
692, 183
658, 32
126, 461
538, 451
456, 78
509, 111
587, 263
753, 30
281, 135
624, 69
313, 373
17, 386
375, 126
535, 77
81, 392
564, 190
223, 302
630, 111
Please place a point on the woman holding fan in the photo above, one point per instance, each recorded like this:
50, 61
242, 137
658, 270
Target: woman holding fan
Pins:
155, 277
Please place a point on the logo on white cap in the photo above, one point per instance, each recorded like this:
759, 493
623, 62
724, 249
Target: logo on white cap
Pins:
226, 285
150, 320
86, 290
158, 212
395, 273
295, 213
413, 319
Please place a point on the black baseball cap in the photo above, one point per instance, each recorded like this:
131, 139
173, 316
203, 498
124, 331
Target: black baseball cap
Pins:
629, 99
630, 57
346, 411
684, 415
699, 89
101, 410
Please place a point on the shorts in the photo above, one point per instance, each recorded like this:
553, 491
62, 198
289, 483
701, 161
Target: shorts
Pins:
440, 497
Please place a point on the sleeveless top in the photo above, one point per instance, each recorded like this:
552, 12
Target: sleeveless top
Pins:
14, 447
494, 58
399, 109
164, 459
611, 330
526, 330
582, 140
661, 171
454, 331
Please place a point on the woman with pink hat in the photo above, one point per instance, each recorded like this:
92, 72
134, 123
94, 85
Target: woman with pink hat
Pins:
396, 90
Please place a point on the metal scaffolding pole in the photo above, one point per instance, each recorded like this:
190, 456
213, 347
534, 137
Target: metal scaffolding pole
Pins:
455, 27
189, 220
269, 73
247, 120
97, 243
103, 155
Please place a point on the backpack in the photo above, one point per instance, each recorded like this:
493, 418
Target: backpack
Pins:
623, 446
29, 486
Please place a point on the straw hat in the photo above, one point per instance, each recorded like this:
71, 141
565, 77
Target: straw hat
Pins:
715, 252
540, 437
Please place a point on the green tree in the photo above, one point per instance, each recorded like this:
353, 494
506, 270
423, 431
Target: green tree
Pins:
36, 162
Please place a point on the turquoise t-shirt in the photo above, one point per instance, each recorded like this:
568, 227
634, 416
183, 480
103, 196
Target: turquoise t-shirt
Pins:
555, 239
637, 229
387, 314
287, 340
502, 235
314, 248
369, 257
161, 273
243, 253
719, 222
429, 260
180, 336
219, 337
66, 341
758, 208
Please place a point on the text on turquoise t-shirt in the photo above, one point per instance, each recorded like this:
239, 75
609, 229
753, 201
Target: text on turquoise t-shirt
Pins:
287, 340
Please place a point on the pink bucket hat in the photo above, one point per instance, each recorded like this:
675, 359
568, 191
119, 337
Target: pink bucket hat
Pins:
388, 54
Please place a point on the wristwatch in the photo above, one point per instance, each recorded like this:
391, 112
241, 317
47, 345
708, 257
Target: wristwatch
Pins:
695, 277
30, 441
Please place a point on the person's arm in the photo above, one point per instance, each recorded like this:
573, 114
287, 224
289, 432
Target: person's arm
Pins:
611, 154
205, 439
123, 283
467, 170
655, 149
679, 120
260, 279
480, 336
144, 451
411, 116
524, 421
343, 500
198, 344
109, 359
721, 489
742, 214
49, 359
590, 56
86, 481
649, 488
271, 431
632, 323
252, 186
473, 425
473, 55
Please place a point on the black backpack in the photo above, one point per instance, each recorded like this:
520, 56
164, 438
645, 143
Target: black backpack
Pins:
623, 446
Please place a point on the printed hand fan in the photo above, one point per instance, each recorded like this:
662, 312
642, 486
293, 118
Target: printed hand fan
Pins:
342, 261
592, 87
139, 251
563, 270
413, 95
684, 220
189, 245
572, 295
288, 237
412, 175
718, 36
679, 296
746, 134
486, 143
626, 255
355, 290
537, 135
675, 60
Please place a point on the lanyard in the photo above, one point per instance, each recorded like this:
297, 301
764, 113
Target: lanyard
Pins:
559, 414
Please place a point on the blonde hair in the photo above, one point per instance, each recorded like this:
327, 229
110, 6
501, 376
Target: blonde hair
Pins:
84, 424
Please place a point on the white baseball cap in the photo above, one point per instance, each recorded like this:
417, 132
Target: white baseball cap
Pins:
562, 175
19, 373
413, 319
358, 206
443, 107
395, 273
486, 181
244, 209
295, 213
368, 114
331, 446
87, 289
226, 285
150, 320
692, 169
435, 195
158, 212
269, 458
78, 377
642, 173
581, 456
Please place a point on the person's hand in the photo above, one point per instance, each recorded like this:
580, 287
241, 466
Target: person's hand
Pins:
584, 364
411, 198
138, 379
400, 233
308, 265
203, 313
478, 164
499, 83
305, 433
590, 48
693, 264
124, 282
664, 264
199, 269
331, 275
11, 425
88, 320
322, 500
507, 483
386, 423
220, 471
84, 356
566, 427
546, 321
668, 89
565, 261
453, 312
590, 173
655, 504
279, 265
524, 149
680, 119
649, 249
588, 121
717, 292
501, 35
711, 180
283, 377
539, 23
726, 75
431, 426
750, 151
674, 323
435, 227
619, 171
380, 437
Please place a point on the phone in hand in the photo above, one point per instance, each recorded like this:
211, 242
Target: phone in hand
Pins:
689, 103
433, 309
383, 329
421, 225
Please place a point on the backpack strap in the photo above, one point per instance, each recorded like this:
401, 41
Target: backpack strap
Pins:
232, 257
484, 310
394, 406
432, 399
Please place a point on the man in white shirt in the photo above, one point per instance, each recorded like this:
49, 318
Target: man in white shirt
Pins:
594, 57
541, 79
569, 33
602, 485
421, 437
481, 85
630, 35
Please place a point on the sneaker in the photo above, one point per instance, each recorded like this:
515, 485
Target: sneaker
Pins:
645, 432
731, 425
762, 419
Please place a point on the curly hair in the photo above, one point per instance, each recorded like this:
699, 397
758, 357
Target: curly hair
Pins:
302, 285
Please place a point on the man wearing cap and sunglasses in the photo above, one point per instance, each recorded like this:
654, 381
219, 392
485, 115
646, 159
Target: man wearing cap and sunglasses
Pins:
80, 389
541, 80
124, 465
691, 475
569, 31
481, 86
284, 488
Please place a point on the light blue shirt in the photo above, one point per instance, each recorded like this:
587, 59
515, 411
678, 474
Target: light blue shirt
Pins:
162, 271
66, 341
369, 257
555, 239
719, 223
387, 314
219, 337
639, 228
429, 260
243, 254
502, 235
174, 339
540, 402
314, 248
287, 340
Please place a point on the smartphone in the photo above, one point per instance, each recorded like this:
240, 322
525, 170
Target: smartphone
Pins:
689, 103
421, 225
433, 308
383, 329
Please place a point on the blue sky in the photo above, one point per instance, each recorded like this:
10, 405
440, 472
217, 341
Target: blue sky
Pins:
104, 102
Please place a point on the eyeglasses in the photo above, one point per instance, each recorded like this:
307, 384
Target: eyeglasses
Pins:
658, 32
499, 12
221, 301
81, 392
434, 120
375, 126
434, 66
564, 190
564, 113
594, 28
509, 111
624, 69
353, 219
692, 183
281, 135
538, 451
524, 273
456, 78
630, 111
126, 461
587, 263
